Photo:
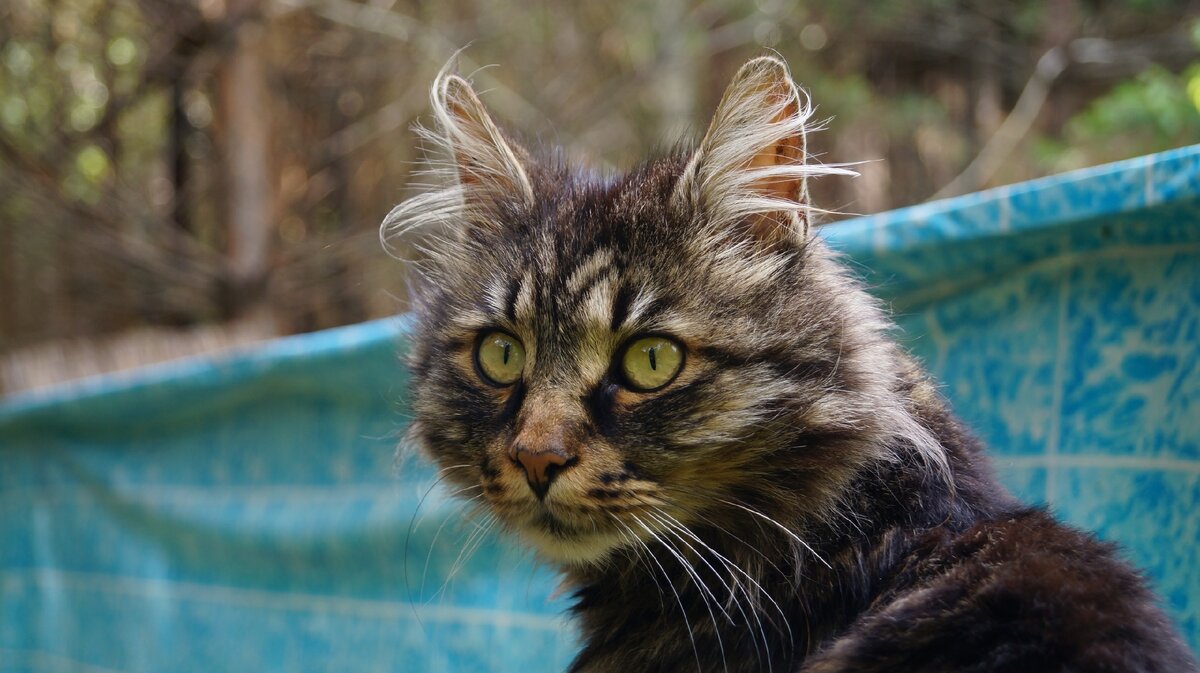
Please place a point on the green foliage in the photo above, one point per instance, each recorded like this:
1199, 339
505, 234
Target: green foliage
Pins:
1156, 110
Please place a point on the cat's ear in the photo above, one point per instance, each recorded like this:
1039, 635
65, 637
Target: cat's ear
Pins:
481, 170
489, 167
750, 171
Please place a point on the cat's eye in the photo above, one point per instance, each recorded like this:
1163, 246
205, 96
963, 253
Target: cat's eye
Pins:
500, 357
651, 362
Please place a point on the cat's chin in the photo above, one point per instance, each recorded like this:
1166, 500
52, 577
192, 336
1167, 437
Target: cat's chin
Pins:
572, 548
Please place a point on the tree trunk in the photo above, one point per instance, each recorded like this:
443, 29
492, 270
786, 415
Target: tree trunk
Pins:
177, 154
244, 107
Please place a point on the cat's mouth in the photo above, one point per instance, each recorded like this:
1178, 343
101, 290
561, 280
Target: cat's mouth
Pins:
561, 522
555, 526
574, 521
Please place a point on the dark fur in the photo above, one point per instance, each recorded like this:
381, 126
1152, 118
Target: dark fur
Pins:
795, 404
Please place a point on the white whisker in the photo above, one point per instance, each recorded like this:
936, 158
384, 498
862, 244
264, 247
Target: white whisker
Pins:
637, 545
675, 524
781, 527
705, 592
679, 601
474, 540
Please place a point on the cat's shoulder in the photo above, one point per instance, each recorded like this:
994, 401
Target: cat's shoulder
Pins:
1018, 593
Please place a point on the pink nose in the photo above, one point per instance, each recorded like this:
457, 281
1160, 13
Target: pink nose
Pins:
541, 467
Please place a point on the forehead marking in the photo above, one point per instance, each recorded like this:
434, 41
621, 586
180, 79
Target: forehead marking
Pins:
496, 295
642, 300
588, 270
510, 302
620, 309
597, 305
523, 299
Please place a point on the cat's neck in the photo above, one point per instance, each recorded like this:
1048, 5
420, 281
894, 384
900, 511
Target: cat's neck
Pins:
776, 589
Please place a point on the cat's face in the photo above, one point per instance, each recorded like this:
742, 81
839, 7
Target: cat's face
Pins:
578, 438
605, 361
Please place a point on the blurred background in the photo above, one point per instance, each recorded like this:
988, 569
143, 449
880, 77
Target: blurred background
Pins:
181, 176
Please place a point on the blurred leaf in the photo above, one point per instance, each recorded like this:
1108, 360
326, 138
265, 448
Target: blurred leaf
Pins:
121, 51
92, 162
1155, 111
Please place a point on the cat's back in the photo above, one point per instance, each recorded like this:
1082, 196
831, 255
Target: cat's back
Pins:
1020, 593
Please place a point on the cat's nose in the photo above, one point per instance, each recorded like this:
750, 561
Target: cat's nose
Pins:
541, 467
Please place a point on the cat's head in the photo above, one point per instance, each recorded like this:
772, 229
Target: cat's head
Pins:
603, 359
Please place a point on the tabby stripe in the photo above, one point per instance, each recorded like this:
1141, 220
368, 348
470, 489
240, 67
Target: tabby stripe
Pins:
588, 272
621, 306
513, 404
600, 406
510, 303
601, 276
781, 364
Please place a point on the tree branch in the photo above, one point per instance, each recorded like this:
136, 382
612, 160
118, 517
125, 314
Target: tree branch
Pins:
1002, 143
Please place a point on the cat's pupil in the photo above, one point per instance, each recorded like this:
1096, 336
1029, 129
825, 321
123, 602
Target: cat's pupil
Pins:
508, 348
653, 361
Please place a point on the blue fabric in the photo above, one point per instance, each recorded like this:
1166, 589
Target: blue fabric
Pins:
247, 513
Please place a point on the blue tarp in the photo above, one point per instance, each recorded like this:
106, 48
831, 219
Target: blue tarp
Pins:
247, 513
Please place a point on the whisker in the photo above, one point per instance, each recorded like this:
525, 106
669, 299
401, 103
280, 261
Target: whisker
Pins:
474, 541
672, 521
687, 567
682, 610
765, 557
412, 523
657, 515
637, 545
733, 589
433, 544
761, 591
781, 527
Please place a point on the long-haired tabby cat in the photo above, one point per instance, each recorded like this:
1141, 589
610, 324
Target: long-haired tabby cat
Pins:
673, 390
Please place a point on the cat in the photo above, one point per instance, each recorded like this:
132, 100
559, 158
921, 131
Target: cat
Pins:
680, 396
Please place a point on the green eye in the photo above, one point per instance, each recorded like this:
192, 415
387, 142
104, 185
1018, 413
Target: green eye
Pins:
500, 357
649, 363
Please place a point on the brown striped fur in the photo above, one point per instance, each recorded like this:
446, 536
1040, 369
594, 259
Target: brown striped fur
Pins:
799, 497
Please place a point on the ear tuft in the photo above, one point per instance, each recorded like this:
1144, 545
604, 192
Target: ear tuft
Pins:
751, 169
476, 172
484, 159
